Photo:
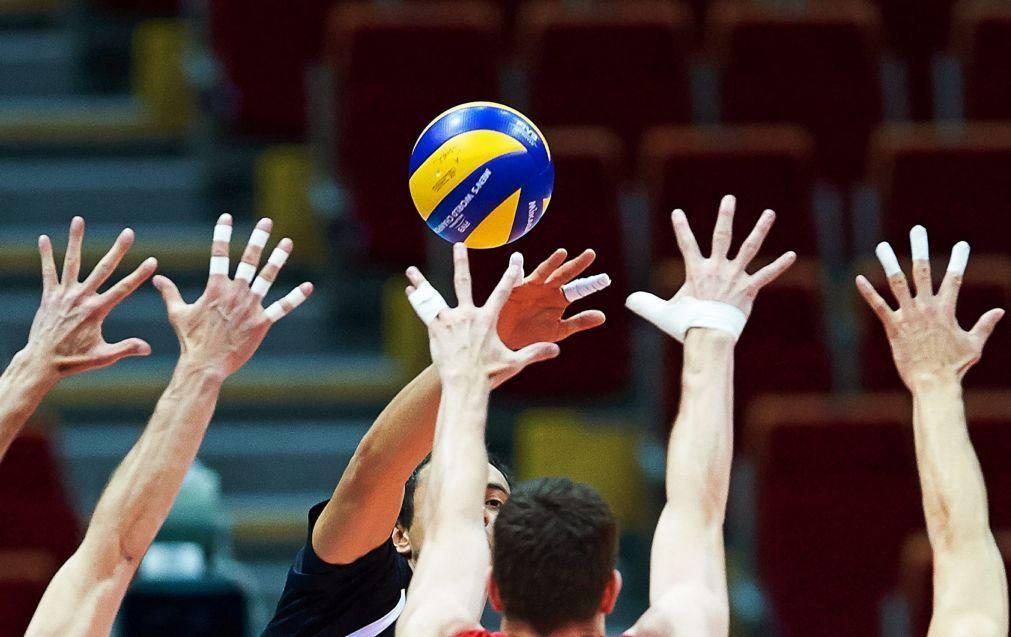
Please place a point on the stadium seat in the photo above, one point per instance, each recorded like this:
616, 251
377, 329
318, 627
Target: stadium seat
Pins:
987, 285
265, 51
952, 178
584, 213
24, 575
389, 88
982, 39
139, 7
815, 66
581, 69
915, 578
764, 166
837, 494
783, 347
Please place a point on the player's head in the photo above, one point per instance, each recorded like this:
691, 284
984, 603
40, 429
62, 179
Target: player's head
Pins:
409, 532
553, 558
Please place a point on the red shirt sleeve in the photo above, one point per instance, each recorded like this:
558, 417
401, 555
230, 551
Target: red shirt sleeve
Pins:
479, 633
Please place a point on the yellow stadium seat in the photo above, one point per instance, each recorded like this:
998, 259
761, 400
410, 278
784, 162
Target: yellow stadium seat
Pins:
284, 177
405, 337
560, 442
159, 76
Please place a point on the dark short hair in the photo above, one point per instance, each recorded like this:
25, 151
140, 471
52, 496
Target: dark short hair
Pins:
555, 547
406, 516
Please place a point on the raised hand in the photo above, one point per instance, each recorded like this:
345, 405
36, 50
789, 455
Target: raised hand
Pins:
223, 328
464, 340
535, 308
718, 292
66, 334
926, 340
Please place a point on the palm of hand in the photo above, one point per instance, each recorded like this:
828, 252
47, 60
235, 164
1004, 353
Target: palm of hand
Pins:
928, 341
533, 314
718, 280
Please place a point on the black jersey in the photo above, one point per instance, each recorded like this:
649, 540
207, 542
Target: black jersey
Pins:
360, 599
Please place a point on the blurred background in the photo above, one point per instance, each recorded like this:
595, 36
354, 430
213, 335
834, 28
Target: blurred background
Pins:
853, 120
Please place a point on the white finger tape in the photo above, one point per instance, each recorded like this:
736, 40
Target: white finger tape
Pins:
293, 299
918, 243
245, 272
676, 318
582, 288
223, 232
959, 258
427, 302
260, 286
219, 265
887, 258
278, 257
259, 238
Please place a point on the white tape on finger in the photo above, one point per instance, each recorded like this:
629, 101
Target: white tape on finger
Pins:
259, 238
918, 243
278, 257
887, 258
427, 302
687, 312
260, 286
245, 272
959, 258
277, 311
582, 288
219, 265
223, 232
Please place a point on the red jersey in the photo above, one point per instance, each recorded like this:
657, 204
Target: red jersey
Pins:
479, 633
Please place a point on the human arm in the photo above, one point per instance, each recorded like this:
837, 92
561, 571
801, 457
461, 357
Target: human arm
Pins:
66, 334
217, 334
448, 588
364, 506
688, 585
932, 354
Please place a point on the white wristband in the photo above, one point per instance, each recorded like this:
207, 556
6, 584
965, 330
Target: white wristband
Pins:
687, 312
427, 302
582, 288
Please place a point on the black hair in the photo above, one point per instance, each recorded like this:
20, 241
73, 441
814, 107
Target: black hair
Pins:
406, 516
555, 548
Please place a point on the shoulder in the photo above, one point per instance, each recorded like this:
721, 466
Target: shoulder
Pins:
967, 625
692, 610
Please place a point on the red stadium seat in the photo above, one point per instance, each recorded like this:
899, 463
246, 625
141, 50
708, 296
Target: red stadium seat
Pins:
915, 577
837, 494
30, 466
583, 214
987, 285
983, 41
783, 347
265, 51
24, 575
952, 178
764, 166
817, 67
622, 65
397, 68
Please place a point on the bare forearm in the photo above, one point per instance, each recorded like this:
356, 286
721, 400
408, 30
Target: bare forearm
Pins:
141, 491
23, 385
460, 458
700, 450
954, 494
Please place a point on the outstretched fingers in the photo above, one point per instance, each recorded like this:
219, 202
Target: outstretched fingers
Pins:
724, 231
921, 261
581, 322
128, 285
72, 260
751, 246
896, 279
246, 269
985, 325
877, 304
536, 353
510, 279
461, 275
686, 241
425, 299
548, 266
169, 293
573, 268
219, 249
285, 305
108, 264
952, 282
270, 271
49, 277
773, 271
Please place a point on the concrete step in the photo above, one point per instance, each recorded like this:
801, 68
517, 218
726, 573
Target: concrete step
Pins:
259, 462
37, 63
125, 191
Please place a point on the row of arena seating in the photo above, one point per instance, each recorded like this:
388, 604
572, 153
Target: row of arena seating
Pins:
838, 502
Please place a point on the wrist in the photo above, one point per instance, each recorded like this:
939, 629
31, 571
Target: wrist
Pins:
199, 371
710, 336
33, 369
928, 383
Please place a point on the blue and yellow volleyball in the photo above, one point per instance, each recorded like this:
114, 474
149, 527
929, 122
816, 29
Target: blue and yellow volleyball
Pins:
481, 173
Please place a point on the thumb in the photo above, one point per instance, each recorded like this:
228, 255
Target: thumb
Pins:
648, 306
128, 347
169, 292
536, 353
106, 355
985, 325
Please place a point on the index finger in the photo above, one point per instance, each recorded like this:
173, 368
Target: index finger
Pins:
49, 278
72, 260
110, 261
724, 230
461, 275
687, 244
510, 279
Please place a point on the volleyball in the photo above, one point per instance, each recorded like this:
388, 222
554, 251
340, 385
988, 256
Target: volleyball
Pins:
481, 173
